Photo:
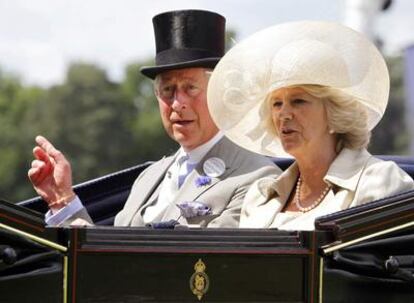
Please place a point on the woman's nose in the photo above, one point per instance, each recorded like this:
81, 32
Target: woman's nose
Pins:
285, 112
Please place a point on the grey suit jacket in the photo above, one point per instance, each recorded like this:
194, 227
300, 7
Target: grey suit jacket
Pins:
224, 194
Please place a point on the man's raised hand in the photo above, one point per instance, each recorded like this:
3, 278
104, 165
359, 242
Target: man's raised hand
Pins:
51, 175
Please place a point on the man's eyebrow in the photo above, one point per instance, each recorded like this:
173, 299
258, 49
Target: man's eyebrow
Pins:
185, 80
166, 79
194, 79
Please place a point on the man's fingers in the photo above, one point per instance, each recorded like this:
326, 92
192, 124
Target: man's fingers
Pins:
49, 148
37, 174
33, 175
39, 171
52, 163
45, 145
41, 155
37, 164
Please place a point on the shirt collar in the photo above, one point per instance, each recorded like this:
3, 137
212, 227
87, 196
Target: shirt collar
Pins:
195, 155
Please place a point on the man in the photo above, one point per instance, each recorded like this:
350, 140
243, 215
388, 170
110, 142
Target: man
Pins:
204, 183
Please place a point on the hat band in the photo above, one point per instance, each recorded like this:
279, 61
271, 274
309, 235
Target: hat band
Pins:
173, 56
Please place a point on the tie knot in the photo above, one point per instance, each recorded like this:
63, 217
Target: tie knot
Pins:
182, 159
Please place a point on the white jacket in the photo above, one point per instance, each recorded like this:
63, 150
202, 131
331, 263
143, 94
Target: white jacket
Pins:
356, 178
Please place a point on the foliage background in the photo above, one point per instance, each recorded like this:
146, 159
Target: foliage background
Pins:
103, 126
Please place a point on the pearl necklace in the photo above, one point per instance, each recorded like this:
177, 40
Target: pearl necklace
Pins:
315, 203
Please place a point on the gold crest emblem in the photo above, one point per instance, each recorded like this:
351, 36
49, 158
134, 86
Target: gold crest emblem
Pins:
199, 282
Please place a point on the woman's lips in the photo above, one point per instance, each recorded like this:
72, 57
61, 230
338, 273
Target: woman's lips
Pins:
287, 131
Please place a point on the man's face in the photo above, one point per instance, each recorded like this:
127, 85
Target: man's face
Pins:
182, 98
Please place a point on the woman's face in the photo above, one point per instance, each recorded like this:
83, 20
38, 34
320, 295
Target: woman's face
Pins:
300, 121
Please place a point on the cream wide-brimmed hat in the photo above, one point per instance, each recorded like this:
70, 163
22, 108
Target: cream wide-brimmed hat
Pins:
296, 53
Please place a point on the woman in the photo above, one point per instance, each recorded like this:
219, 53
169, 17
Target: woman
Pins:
314, 90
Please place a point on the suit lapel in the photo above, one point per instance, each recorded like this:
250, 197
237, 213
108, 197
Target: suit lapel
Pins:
189, 191
156, 178
151, 183
261, 207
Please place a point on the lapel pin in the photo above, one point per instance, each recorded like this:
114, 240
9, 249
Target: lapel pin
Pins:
214, 167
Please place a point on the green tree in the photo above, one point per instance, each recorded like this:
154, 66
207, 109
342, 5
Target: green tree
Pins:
101, 126
230, 39
89, 119
390, 136
16, 135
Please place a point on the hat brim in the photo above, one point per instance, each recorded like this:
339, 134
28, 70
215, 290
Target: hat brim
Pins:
153, 71
298, 53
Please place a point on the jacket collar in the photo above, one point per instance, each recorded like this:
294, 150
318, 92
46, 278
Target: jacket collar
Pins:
344, 172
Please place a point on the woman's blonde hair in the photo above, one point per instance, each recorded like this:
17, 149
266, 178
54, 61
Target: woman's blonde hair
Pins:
347, 118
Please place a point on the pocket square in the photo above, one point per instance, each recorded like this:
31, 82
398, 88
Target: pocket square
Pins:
190, 209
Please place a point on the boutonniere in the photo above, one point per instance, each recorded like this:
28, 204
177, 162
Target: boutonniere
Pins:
202, 181
190, 209
213, 168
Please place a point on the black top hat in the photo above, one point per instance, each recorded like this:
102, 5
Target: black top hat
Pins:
187, 38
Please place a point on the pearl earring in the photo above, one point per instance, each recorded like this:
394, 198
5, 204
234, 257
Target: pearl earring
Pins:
331, 131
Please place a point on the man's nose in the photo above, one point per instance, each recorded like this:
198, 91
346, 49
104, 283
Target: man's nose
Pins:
179, 101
